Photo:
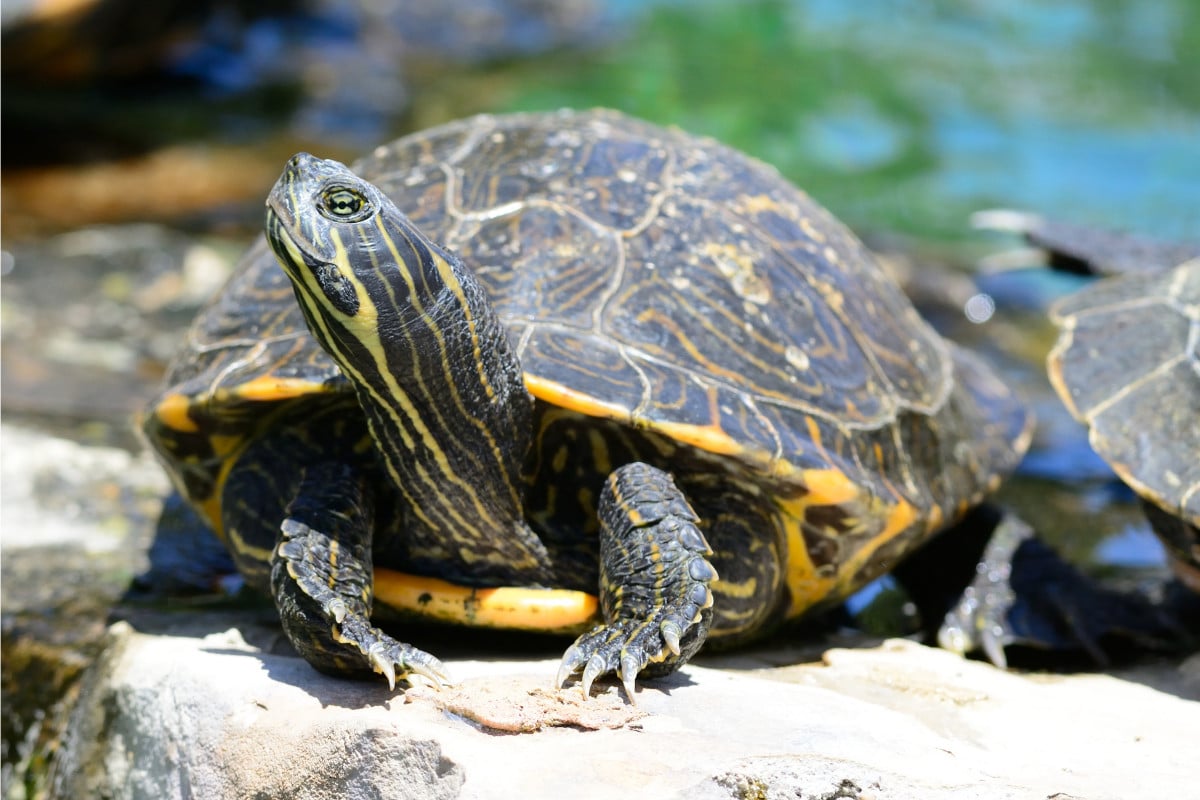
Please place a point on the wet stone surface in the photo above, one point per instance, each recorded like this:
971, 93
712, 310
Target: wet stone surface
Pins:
91, 317
75, 522
89, 320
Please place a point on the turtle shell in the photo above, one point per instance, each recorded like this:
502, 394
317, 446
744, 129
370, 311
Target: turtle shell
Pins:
1127, 363
664, 281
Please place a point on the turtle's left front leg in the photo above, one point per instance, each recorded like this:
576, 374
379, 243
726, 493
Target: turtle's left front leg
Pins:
654, 582
321, 578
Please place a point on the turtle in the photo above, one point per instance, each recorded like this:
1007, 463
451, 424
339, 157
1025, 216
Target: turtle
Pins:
1127, 364
567, 371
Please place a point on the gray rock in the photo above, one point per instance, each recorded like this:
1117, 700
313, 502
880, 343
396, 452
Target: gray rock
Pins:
180, 716
75, 522
56, 492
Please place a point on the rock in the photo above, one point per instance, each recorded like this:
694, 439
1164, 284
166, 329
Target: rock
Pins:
74, 526
91, 318
213, 716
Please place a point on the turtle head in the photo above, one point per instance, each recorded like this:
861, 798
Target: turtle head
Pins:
413, 330
374, 290
336, 236
368, 281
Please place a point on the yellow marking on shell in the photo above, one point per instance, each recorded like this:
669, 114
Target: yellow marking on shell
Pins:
559, 462
677, 332
211, 509
828, 487
564, 397
757, 203
225, 449
806, 585
225, 445
268, 388
814, 433
598, 447
172, 412
504, 607
899, 518
812, 231
734, 622
710, 438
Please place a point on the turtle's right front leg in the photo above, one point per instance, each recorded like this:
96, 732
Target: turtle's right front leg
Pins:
654, 582
321, 579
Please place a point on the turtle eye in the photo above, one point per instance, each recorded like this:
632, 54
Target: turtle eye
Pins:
344, 204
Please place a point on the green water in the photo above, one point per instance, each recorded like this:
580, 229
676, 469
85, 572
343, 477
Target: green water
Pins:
908, 116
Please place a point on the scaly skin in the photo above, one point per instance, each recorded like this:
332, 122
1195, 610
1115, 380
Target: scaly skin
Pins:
321, 581
654, 582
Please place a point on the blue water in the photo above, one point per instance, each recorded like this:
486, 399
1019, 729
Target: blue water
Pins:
909, 116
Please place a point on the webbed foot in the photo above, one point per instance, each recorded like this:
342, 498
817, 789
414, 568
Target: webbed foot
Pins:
322, 593
654, 583
321, 578
1024, 594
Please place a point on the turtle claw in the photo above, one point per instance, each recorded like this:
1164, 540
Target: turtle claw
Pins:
654, 646
383, 666
651, 647
435, 673
670, 635
392, 659
993, 647
596, 667
571, 661
416, 662
600, 652
630, 666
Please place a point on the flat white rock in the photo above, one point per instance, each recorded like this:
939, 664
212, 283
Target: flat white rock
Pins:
178, 716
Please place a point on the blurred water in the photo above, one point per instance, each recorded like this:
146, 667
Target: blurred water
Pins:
909, 116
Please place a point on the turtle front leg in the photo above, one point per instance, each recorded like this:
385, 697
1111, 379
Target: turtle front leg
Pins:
654, 582
321, 579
